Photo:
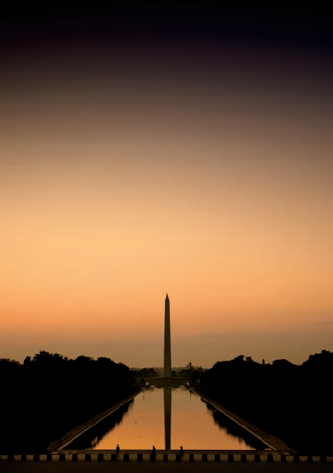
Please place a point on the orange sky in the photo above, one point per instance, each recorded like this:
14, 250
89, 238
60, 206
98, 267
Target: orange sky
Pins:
218, 193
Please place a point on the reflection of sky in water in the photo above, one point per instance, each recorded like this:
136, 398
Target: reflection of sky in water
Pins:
194, 425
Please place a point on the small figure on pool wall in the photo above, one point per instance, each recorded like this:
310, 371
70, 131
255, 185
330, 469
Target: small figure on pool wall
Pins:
117, 449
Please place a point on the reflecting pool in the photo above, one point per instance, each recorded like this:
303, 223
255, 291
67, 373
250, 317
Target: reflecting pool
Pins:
167, 418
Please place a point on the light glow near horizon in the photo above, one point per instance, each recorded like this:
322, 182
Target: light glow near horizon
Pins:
213, 188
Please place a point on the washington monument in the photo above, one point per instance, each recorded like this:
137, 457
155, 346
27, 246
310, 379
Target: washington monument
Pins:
167, 339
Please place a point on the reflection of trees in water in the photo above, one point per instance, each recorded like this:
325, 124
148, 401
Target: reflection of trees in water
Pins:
95, 434
234, 429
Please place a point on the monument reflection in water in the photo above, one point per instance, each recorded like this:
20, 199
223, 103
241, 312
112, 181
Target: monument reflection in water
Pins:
146, 421
167, 417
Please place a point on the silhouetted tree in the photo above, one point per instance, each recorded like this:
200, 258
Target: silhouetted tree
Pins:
58, 395
27, 360
292, 402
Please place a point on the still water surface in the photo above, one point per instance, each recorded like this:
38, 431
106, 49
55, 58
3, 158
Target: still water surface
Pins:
167, 418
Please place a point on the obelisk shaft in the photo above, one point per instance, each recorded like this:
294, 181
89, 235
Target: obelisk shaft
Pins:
167, 339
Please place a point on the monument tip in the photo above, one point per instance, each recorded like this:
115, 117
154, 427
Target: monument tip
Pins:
167, 297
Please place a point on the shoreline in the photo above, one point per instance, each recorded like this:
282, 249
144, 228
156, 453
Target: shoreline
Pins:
71, 435
270, 440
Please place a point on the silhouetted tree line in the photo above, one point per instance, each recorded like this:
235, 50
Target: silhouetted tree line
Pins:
192, 373
292, 402
145, 373
49, 394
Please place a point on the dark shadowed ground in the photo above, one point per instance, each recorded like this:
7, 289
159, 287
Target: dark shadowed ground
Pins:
150, 467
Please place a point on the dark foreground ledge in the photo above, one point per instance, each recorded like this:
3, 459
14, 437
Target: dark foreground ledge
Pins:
170, 455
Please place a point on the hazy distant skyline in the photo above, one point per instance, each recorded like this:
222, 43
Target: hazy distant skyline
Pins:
201, 168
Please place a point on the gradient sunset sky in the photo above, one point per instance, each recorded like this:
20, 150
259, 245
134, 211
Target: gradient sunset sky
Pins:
181, 152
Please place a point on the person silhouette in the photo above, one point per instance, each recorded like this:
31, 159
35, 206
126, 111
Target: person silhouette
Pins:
181, 450
117, 449
154, 450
